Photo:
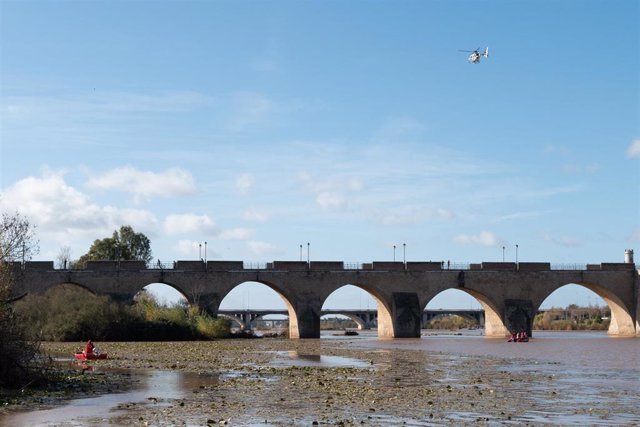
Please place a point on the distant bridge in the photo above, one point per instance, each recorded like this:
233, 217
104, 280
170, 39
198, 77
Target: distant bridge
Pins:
510, 293
365, 319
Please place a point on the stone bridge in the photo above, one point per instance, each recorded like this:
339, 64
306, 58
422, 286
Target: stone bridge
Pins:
510, 293
365, 319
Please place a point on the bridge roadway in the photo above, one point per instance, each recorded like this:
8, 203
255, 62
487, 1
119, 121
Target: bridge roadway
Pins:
510, 293
365, 319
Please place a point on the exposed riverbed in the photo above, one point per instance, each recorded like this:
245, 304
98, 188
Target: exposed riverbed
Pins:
561, 378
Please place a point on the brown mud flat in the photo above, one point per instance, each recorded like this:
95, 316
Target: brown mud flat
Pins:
286, 382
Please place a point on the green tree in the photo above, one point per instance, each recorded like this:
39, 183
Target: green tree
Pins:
125, 244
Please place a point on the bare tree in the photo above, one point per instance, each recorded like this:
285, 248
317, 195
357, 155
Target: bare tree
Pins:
17, 238
63, 259
18, 353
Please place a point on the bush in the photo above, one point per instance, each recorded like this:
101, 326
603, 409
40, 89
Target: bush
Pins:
19, 361
209, 327
69, 313
450, 322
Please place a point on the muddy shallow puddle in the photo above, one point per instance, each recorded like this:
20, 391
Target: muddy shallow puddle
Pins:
155, 388
294, 358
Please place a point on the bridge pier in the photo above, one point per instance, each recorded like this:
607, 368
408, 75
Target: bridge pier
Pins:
518, 315
306, 323
406, 317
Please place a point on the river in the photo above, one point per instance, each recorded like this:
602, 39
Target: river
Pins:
597, 376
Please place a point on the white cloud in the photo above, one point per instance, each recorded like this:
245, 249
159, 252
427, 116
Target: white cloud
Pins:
101, 105
249, 109
572, 168
145, 184
484, 238
262, 249
444, 213
523, 215
634, 149
244, 183
327, 200
254, 215
63, 213
237, 234
397, 216
399, 129
189, 223
566, 241
189, 247
330, 193
409, 215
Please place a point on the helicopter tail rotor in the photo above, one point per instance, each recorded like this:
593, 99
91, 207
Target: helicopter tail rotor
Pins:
486, 52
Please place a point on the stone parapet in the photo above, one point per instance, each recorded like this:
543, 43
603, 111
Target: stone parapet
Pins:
499, 266
327, 265
290, 265
38, 265
101, 265
224, 265
617, 266
534, 266
424, 266
388, 265
190, 265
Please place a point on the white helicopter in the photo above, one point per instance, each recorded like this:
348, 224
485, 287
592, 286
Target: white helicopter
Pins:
476, 55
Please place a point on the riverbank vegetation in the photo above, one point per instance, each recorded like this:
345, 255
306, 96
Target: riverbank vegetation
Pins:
573, 318
20, 364
451, 322
70, 313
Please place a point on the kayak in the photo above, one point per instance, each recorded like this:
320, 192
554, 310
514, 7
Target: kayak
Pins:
90, 356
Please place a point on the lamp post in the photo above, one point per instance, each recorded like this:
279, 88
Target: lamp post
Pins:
404, 253
300, 251
516, 253
200, 251
503, 254
205, 251
308, 247
394, 253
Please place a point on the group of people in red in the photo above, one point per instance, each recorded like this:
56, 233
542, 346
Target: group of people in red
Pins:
519, 337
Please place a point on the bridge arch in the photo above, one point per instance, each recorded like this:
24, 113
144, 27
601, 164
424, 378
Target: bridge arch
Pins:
493, 324
386, 327
622, 323
71, 284
251, 286
165, 293
360, 323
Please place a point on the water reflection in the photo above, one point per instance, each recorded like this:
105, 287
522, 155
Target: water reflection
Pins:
155, 388
293, 358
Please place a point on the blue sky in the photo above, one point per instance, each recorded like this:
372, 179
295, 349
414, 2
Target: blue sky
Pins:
354, 126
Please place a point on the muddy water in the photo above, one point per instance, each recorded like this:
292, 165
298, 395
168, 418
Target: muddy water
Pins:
155, 388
